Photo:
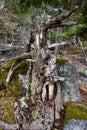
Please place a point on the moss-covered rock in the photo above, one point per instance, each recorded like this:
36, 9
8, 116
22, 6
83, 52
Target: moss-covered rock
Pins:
76, 111
61, 60
15, 87
12, 91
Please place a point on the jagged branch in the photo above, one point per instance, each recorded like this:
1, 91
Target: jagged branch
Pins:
63, 24
23, 56
56, 44
11, 71
57, 21
69, 13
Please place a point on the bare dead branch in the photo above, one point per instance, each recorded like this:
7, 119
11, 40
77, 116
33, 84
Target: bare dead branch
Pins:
31, 60
23, 56
11, 71
57, 21
69, 13
56, 44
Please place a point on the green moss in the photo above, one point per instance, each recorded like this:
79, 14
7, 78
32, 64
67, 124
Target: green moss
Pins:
9, 64
9, 113
22, 69
61, 60
4, 72
1, 128
15, 87
83, 73
74, 111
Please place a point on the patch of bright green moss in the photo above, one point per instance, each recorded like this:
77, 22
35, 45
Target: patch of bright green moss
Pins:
9, 64
9, 112
74, 111
61, 60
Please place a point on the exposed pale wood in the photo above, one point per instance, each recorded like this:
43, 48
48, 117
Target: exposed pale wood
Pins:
56, 44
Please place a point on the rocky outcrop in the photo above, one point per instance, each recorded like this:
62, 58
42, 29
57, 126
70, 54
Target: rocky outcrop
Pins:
76, 125
75, 116
70, 87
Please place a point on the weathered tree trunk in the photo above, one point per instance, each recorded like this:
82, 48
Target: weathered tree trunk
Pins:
45, 91
44, 96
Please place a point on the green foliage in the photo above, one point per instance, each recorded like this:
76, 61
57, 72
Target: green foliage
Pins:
84, 44
72, 31
23, 6
74, 111
84, 12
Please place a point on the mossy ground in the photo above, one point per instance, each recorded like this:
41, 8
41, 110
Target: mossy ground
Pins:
9, 93
74, 111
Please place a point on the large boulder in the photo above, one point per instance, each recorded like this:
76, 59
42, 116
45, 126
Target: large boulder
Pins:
70, 86
76, 125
